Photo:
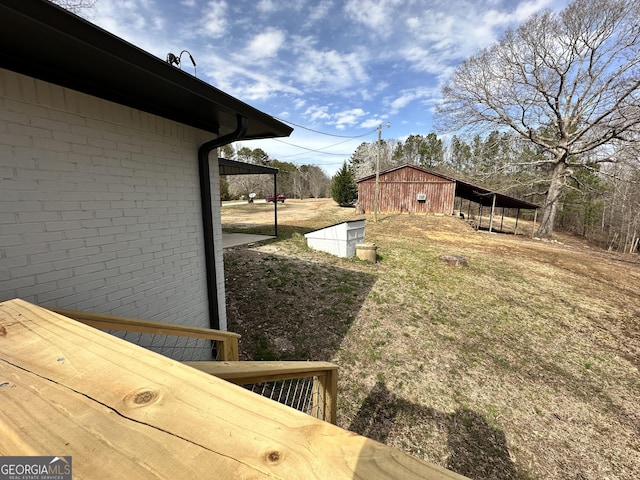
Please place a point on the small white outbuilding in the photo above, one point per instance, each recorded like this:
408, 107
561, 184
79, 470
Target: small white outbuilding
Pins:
340, 239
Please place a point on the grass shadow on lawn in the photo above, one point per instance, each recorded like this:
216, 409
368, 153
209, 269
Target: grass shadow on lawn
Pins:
285, 232
476, 449
264, 304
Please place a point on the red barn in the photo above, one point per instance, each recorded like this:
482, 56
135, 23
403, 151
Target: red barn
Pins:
408, 189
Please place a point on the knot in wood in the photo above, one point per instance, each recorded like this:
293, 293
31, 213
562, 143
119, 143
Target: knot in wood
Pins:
274, 457
144, 397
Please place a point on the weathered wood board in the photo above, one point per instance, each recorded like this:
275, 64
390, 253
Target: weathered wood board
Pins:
124, 412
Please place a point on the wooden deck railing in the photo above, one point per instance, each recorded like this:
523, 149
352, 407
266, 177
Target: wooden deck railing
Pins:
316, 383
316, 394
226, 342
74, 390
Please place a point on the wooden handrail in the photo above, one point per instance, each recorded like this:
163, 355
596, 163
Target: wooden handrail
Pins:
325, 378
227, 367
226, 342
256, 372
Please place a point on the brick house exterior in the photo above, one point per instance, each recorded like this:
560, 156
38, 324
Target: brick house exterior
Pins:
100, 201
100, 206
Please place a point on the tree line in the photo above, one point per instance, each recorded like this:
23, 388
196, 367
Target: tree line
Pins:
293, 181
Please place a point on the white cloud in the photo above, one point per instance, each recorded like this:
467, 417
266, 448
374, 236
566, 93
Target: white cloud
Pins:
407, 97
528, 8
371, 123
319, 12
340, 120
330, 70
139, 23
316, 113
215, 19
265, 45
266, 6
375, 14
245, 82
348, 117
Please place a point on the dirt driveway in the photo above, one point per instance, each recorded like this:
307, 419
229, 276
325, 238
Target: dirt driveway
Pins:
291, 212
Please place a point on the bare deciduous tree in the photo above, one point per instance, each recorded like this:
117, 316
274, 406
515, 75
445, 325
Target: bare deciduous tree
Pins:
568, 82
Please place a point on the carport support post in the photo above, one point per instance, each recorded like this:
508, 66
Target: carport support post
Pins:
517, 218
502, 220
493, 207
275, 205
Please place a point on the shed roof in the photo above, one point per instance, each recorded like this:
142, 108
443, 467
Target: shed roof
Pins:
233, 167
406, 165
466, 190
47, 42
484, 197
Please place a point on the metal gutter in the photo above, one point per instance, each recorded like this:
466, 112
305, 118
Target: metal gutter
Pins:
207, 212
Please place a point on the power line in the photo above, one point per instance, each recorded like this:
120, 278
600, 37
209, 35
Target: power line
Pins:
325, 133
319, 150
309, 149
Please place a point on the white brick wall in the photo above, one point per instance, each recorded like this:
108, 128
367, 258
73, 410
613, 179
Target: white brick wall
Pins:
100, 206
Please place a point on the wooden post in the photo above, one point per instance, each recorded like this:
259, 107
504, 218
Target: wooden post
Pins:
328, 393
376, 188
275, 205
535, 217
227, 350
493, 207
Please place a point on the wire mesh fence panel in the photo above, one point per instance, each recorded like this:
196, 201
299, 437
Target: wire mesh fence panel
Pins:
303, 394
178, 348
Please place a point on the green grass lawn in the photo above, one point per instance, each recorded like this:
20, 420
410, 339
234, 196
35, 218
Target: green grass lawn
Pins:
523, 365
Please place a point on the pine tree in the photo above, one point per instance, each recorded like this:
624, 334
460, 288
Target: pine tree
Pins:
343, 187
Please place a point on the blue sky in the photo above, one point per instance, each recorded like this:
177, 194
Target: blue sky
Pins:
338, 67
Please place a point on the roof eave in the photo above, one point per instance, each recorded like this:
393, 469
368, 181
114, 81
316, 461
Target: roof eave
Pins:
47, 42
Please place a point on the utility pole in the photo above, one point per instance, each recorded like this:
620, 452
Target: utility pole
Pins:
376, 192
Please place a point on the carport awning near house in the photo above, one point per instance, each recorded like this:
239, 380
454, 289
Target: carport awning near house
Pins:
45, 41
233, 167
485, 197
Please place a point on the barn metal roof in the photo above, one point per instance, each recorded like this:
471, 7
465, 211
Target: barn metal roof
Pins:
47, 42
484, 197
468, 191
